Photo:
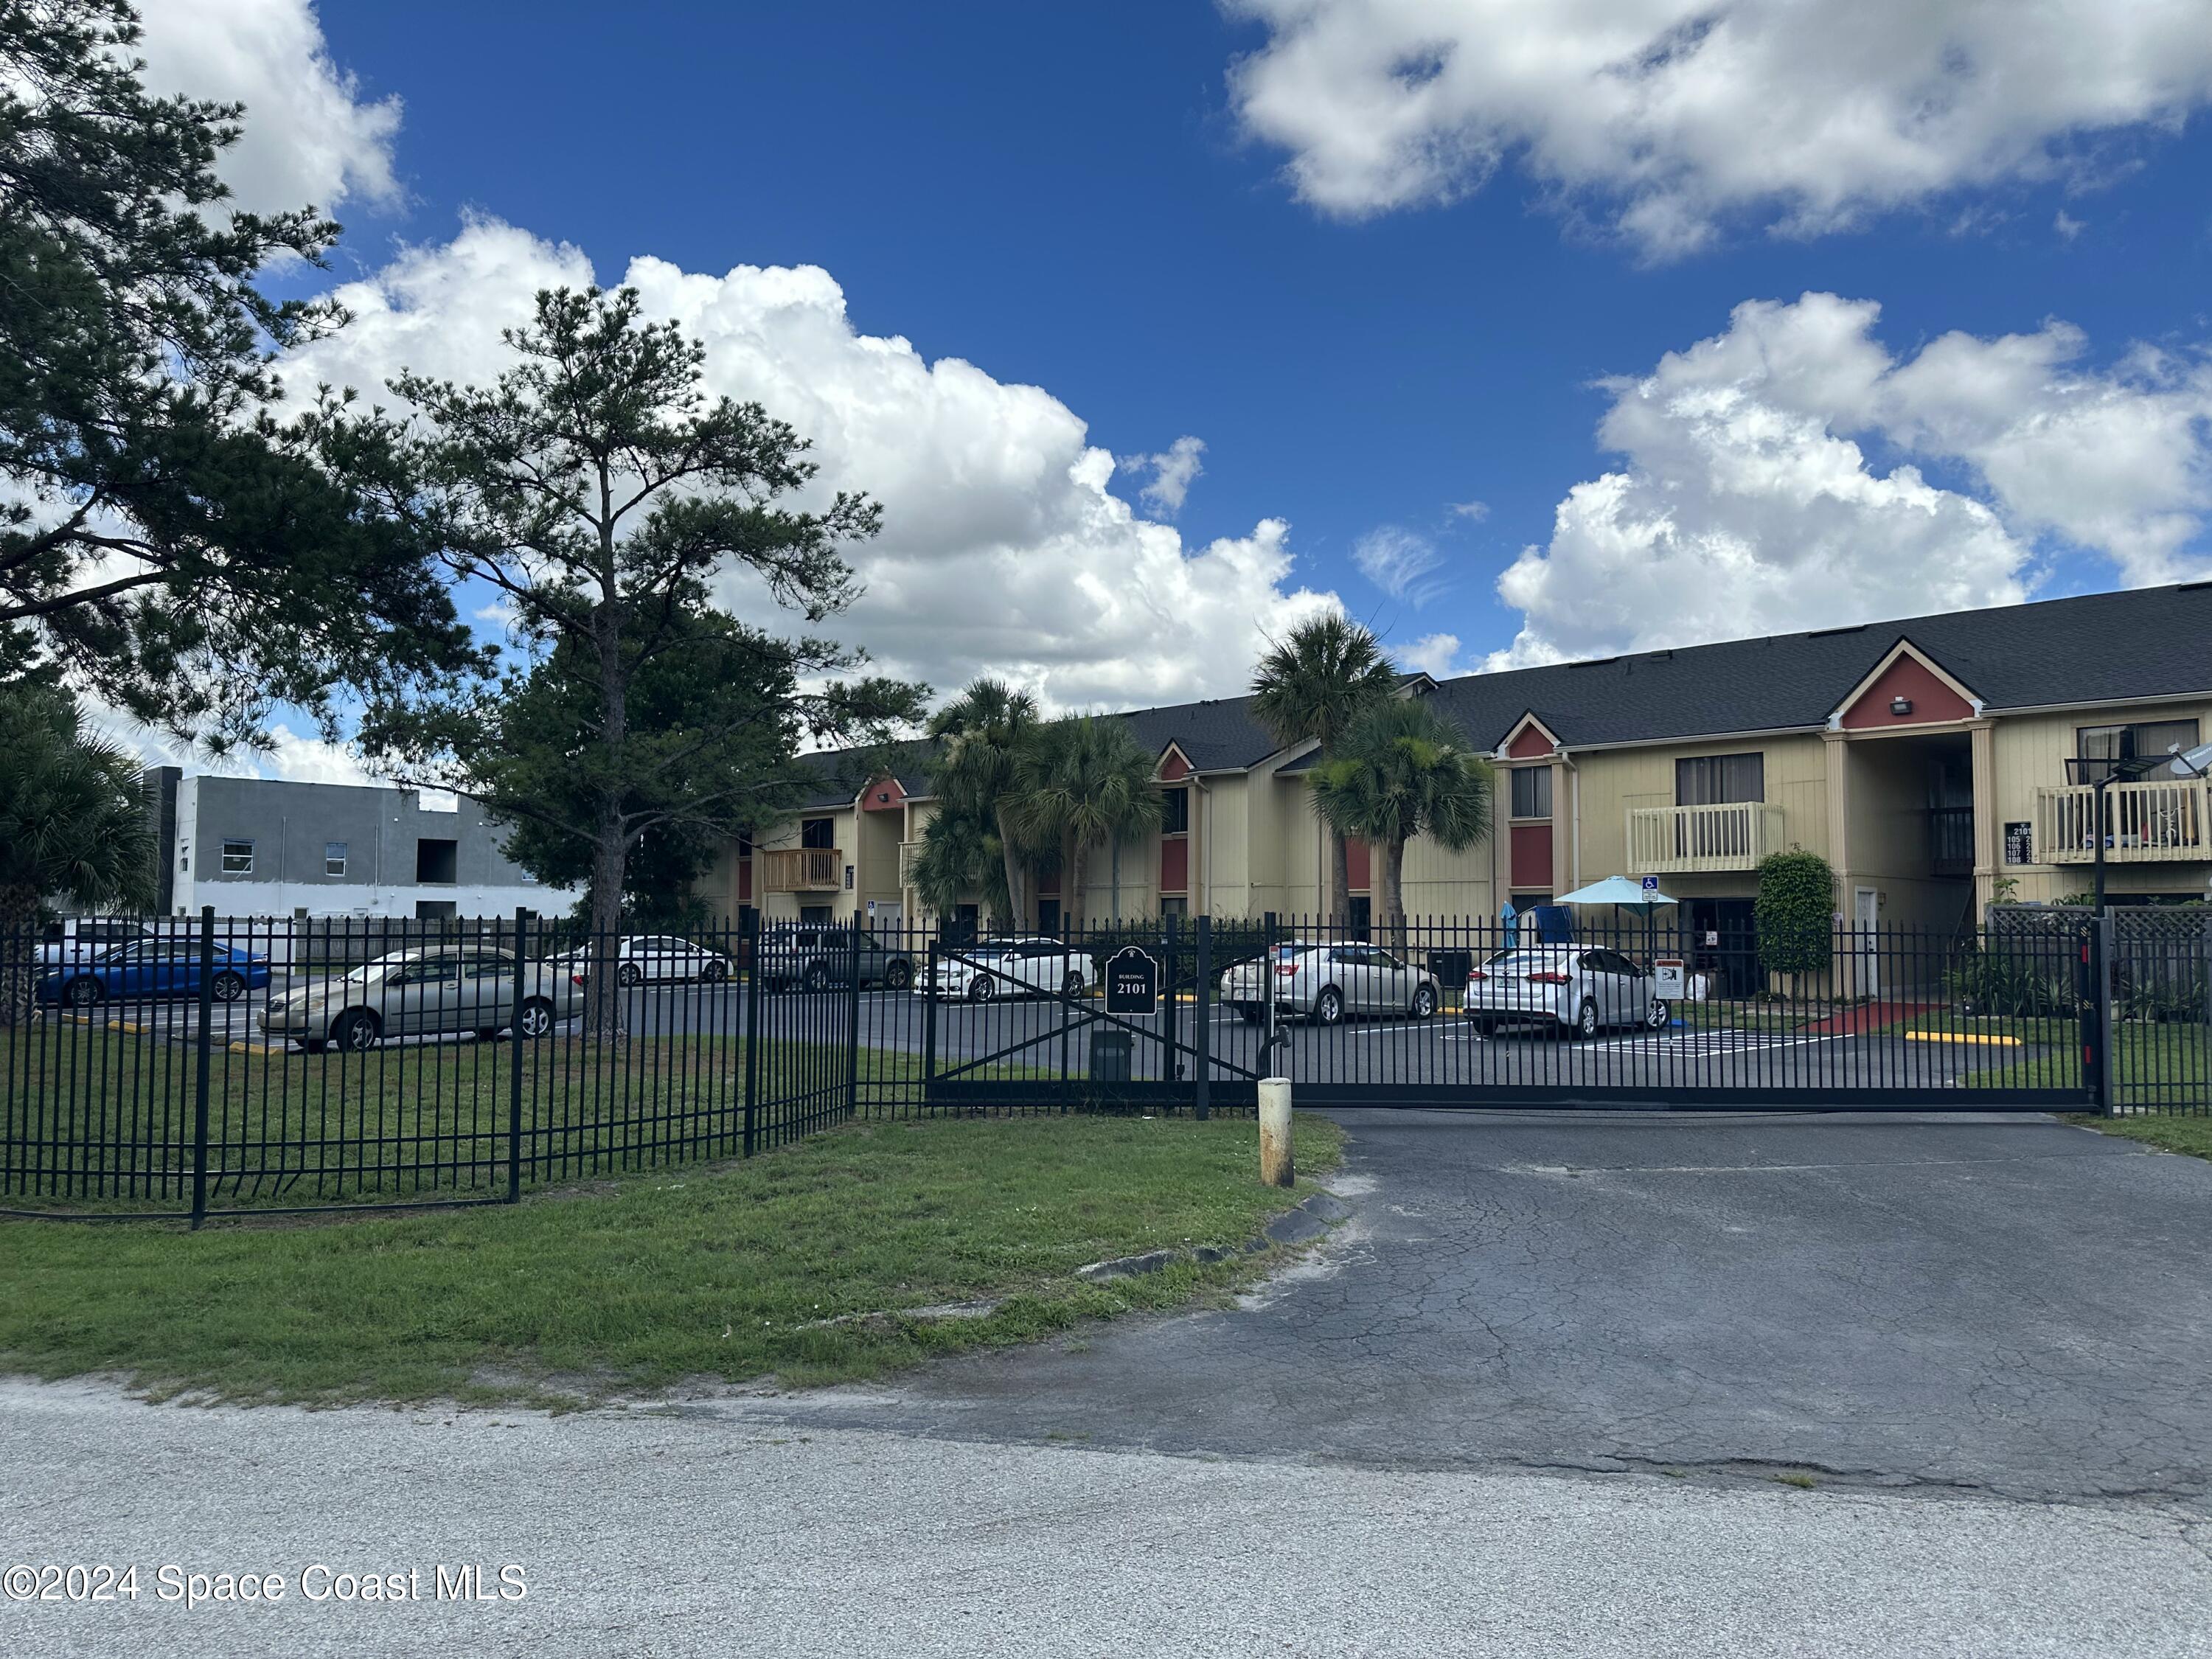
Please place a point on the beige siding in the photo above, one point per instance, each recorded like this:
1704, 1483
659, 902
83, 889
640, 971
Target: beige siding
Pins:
1617, 781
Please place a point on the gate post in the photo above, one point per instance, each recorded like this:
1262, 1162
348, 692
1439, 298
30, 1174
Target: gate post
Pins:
852, 1027
514, 1040
200, 1060
928, 1023
749, 950
1201, 1088
2091, 977
1172, 1060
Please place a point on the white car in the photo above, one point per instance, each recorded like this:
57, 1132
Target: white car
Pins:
1563, 987
1325, 982
1008, 966
639, 958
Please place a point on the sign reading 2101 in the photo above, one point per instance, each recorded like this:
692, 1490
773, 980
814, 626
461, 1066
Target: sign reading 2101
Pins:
1132, 982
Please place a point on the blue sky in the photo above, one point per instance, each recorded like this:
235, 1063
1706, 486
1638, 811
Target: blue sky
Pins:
1088, 198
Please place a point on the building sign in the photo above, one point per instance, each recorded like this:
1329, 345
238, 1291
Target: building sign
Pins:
1132, 982
1669, 982
2020, 843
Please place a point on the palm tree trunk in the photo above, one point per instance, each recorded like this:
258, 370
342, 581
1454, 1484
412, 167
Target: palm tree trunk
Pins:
1339, 900
19, 954
1016, 898
1071, 913
1393, 861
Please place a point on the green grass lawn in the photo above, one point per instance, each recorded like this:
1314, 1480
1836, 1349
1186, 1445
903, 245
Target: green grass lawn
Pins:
106, 1114
731, 1273
2174, 1132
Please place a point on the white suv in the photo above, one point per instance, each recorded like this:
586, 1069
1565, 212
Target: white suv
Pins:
994, 968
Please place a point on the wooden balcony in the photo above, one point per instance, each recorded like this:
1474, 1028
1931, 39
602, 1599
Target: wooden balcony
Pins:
801, 870
1688, 840
2163, 821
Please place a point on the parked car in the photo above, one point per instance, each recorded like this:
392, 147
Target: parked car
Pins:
819, 958
1324, 983
1563, 987
151, 970
639, 958
420, 992
993, 968
74, 939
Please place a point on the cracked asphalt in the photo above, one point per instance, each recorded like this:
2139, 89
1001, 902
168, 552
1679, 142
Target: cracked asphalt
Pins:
1561, 1386
2016, 1306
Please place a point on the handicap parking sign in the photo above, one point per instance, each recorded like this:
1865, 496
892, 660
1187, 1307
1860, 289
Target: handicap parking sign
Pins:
1650, 884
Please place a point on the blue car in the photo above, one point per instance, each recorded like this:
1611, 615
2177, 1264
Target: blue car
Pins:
153, 969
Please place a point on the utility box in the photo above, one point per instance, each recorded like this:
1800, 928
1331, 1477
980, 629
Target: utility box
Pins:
1109, 1057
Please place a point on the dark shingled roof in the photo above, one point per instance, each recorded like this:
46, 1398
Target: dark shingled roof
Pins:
2097, 648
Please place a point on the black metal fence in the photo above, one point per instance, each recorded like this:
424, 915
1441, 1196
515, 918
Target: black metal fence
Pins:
199, 1067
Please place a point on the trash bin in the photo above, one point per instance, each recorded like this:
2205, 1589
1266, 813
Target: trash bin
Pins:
1451, 967
1109, 1057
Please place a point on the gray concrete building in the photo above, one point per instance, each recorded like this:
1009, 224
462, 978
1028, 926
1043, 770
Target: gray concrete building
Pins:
259, 847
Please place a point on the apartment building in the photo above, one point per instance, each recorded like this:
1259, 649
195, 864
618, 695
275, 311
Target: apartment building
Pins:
1925, 758
264, 847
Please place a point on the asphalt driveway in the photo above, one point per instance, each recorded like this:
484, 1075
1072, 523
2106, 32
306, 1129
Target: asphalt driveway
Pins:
2017, 1306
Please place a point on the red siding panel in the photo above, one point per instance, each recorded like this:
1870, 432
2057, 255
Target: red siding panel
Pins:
1908, 678
1532, 855
1175, 866
1357, 873
1175, 766
1530, 745
744, 881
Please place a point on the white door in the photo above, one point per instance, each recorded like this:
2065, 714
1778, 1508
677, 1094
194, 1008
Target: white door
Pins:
1865, 913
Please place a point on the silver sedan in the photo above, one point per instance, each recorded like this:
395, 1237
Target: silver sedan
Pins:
1325, 982
1563, 988
423, 993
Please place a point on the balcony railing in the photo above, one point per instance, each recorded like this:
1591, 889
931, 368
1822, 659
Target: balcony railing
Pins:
908, 852
801, 870
1680, 840
1951, 840
2163, 821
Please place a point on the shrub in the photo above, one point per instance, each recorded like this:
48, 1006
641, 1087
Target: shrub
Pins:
1794, 914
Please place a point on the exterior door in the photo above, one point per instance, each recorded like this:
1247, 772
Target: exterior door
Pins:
485, 998
1866, 915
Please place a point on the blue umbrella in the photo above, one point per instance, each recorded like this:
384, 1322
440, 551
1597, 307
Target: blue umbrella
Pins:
1621, 892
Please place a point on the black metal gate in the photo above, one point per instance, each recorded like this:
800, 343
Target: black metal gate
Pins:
1622, 1013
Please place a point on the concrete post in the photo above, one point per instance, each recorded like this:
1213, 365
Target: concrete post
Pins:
1276, 1168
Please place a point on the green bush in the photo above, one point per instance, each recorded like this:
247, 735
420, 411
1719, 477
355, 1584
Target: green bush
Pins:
1999, 981
1794, 914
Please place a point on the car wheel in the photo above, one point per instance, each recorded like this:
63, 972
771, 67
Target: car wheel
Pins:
1072, 985
1328, 1006
983, 988
1656, 1017
630, 974
818, 977
85, 993
537, 1017
486, 1034
1586, 1020
713, 974
899, 975
1251, 1012
1483, 1028
228, 986
356, 1031
1425, 1002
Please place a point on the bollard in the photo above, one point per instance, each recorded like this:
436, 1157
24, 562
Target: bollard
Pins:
1276, 1168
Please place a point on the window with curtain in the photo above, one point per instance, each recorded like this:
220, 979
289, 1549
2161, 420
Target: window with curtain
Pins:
2142, 740
1715, 780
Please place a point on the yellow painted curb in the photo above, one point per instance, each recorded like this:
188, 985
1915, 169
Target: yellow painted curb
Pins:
1976, 1038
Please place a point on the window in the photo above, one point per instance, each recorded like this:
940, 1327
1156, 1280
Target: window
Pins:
1715, 780
1532, 791
334, 858
437, 860
819, 832
237, 858
815, 914
436, 910
1175, 907
1174, 816
2143, 740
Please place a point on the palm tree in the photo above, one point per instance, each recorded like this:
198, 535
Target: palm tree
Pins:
1323, 676
72, 825
959, 856
1403, 770
979, 734
1079, 781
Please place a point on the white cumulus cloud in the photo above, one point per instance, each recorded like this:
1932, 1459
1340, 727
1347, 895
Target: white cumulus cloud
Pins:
1004, 549
1434, 654
1173, 472
1674, 114
1749, 503
310, 135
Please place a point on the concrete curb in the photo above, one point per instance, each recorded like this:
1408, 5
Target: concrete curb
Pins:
1304, 1221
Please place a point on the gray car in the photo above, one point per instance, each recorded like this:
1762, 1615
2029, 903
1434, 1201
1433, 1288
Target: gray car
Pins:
1324, 983
819, 958
423, 992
